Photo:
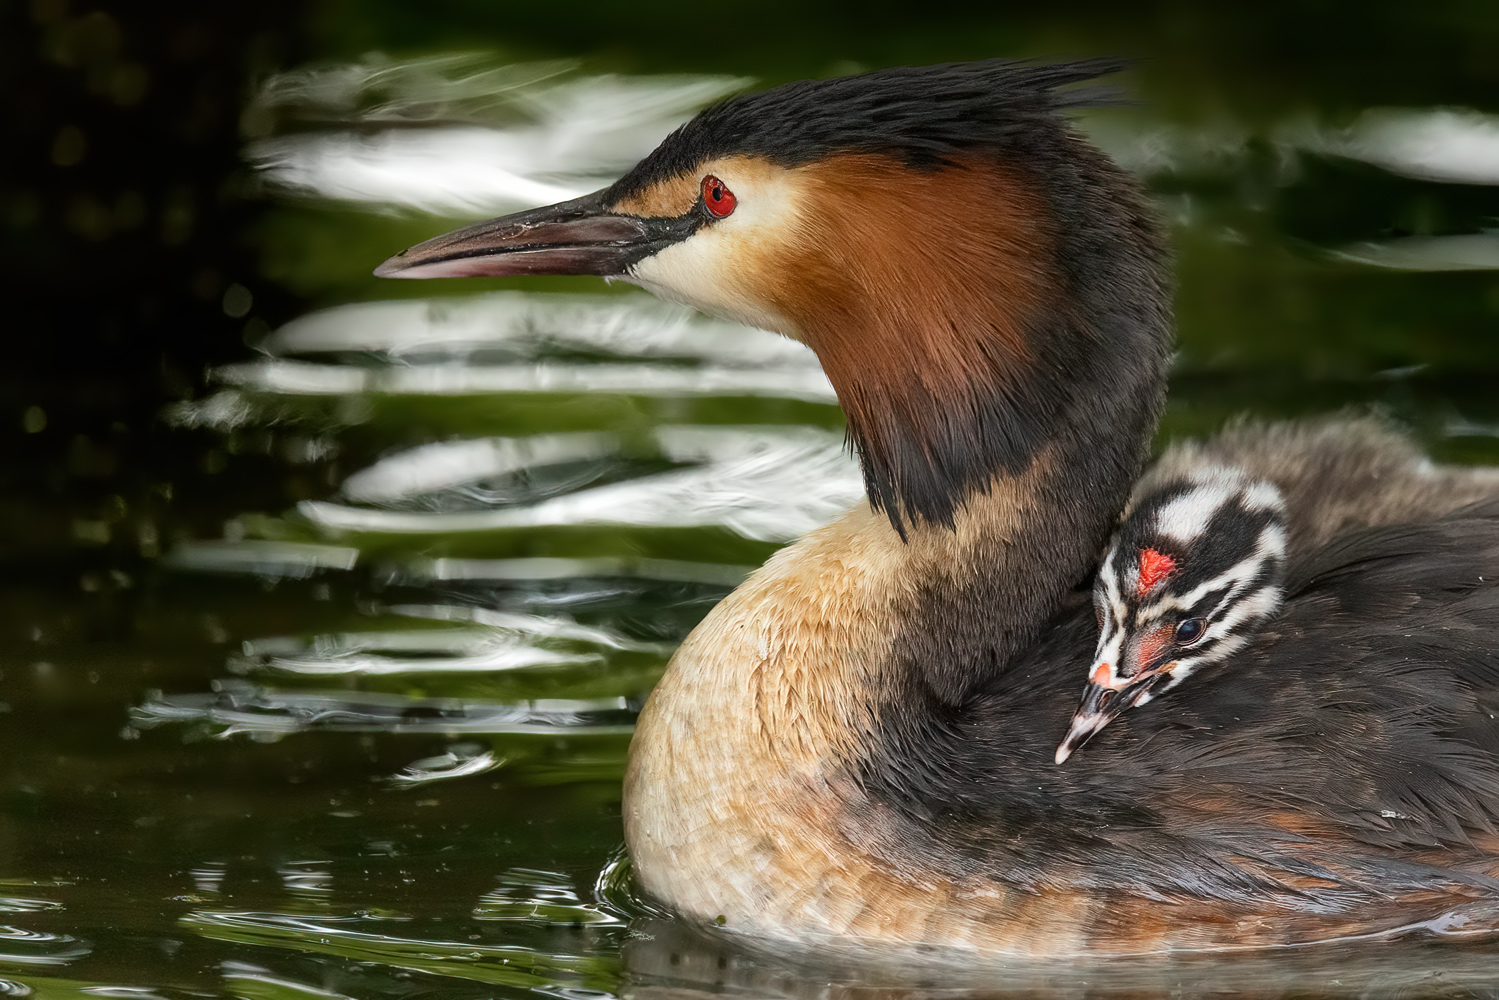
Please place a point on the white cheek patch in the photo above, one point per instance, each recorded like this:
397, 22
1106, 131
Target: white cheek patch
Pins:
714, 269
692, 273
1186, 666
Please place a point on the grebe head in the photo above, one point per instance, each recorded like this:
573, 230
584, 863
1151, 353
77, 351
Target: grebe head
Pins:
1197, 565
970, 272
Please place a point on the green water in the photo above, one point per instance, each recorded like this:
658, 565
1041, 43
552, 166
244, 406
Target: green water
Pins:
328, 602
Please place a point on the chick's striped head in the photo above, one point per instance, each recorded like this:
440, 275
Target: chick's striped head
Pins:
1195, 569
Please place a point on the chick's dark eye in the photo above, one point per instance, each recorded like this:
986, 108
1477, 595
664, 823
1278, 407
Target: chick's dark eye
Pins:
1189, 631
717, 199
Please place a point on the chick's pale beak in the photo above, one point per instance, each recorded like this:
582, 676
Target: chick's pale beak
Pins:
571, 237
1102, 704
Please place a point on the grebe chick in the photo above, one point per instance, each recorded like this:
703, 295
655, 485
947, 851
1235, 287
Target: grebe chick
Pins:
1200, 560
1196, 567
854, 747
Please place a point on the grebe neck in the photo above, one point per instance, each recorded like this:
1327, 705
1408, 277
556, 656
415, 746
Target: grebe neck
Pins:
1001, 394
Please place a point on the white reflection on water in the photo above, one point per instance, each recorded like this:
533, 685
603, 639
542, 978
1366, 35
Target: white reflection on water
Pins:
518, 342
19, 946
238, 708
465, 651
307, 878
378, 942
208, 877
1448, 145
766, 483
539, 897
496, 138
491, 138
502, 641
1474, 252
551, 568
529, 325
535, 626
19, 904
455, 86
459, 761
438, 466
461, 380
292, 560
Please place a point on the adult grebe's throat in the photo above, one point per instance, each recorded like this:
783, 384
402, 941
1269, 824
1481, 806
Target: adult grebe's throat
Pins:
967, 325
922, 310
1045, 418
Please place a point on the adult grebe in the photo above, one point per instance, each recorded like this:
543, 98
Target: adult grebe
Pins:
1199, 562
855, 745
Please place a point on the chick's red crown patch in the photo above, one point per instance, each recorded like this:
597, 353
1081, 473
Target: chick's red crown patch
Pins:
1154, 568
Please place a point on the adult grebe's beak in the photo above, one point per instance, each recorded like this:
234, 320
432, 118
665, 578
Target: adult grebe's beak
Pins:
572, 237
1104, 698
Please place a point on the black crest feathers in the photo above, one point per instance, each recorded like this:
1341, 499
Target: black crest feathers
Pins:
924, 113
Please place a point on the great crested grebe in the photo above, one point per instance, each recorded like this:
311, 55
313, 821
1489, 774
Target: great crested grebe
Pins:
1199, 562
855, 747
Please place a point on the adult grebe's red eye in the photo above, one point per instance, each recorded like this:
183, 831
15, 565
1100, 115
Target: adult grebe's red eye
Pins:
719, 200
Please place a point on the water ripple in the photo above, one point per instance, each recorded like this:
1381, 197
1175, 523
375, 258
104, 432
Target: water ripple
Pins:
460, 761
539, 897
494, 138
530, 325
293, 560
550, 568
354, 939
238, 709
767, 484
20, 904
304, 378
19, 946
503, 641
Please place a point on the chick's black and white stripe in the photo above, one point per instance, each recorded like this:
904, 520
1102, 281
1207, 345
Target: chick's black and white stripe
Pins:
1227, 536
1196, 567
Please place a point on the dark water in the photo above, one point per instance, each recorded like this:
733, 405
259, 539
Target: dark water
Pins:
327, 603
